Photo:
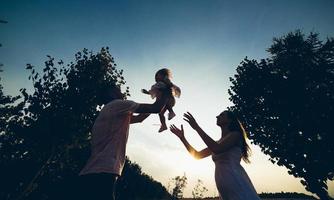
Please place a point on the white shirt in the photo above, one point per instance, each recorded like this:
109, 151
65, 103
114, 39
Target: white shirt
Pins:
109, 137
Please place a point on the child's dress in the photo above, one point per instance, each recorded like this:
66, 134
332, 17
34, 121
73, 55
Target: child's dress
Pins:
176, 91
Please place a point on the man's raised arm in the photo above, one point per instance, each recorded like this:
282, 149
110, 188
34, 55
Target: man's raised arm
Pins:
156, 107
139, 118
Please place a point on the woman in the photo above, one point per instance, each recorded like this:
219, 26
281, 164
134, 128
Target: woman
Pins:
232, 180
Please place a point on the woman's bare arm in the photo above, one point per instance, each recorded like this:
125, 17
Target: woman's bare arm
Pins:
227, 142
196, 154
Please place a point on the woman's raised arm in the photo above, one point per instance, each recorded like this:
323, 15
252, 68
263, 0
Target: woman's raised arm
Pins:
228, 141
196, 154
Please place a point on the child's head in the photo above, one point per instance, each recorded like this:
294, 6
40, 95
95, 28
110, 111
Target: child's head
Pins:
162, 74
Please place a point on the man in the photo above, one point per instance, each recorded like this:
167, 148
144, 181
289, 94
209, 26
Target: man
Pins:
108, 143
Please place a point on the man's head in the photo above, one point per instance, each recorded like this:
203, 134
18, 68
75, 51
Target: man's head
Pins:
112, 93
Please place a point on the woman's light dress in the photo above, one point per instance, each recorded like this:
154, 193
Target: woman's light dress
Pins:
232, 180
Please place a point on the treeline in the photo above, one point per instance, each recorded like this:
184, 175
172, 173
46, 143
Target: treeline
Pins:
282, 195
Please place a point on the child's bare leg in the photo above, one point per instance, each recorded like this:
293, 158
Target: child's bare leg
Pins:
169, 107
162, 120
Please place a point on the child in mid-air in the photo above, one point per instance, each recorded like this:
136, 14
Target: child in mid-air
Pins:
163, 82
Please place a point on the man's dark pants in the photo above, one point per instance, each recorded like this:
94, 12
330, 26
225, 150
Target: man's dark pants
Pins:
100, 186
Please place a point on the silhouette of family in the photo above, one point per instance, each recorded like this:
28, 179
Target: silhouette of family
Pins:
110, 133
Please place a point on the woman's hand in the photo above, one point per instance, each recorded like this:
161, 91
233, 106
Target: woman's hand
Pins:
191, 120
178, 132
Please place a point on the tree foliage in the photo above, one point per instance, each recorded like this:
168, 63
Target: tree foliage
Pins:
199, 190
8, 139
134, 184
44, 141
7, 109
178, 184
286, 195
287, 105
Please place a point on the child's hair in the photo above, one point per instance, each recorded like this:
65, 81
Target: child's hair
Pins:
164, 72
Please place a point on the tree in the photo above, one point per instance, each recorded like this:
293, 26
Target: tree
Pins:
6, 108
8, 139
51, 132
199, 190
286, 195
179, 182
4, 22
134, 184
44, 140
287, 105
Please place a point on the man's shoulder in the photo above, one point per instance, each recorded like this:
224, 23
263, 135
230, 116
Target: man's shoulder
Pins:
121, 102
121, 105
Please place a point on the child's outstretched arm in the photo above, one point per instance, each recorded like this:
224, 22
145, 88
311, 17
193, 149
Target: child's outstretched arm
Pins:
145, 91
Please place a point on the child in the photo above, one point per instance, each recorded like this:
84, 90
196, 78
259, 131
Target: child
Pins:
163, 82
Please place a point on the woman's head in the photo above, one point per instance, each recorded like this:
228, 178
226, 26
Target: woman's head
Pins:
223, 119
230, 120
162, 74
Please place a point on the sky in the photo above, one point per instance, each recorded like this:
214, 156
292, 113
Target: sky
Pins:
202, 42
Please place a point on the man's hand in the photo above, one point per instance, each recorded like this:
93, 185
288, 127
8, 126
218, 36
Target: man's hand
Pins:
156, 107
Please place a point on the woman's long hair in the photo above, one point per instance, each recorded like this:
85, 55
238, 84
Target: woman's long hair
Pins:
235, 125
